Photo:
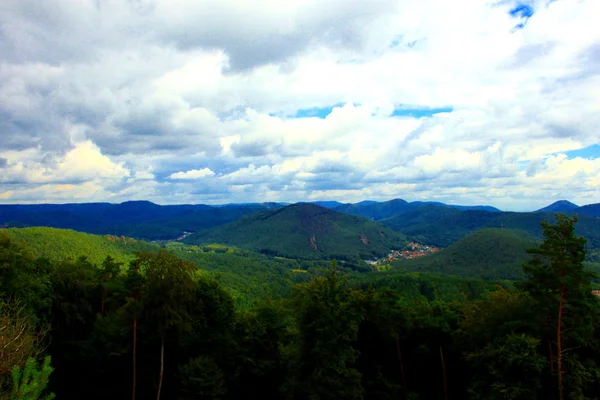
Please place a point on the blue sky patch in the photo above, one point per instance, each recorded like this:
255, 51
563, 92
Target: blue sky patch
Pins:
419, 112
318, 112
590, 152
522, 11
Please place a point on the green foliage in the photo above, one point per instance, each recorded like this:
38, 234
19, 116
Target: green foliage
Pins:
494, 254
64, 244
445, 226
328, 324
430, 286
170, 285
343, 334
306, 231
139, 219
75, 287
558, 282
508, 368
202, 378
23, 277
30, 382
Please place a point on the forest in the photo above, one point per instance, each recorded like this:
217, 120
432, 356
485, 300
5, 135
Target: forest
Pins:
155, 324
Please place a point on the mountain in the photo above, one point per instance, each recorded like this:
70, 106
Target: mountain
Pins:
592, 210
245, 274
560, 206
305, 231
379, 211
439, 227
60, 244
488, 253
326, 204
139, 219
375, 211
423, 214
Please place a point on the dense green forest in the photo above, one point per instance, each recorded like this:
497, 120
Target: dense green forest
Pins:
160, 327
490, 253
306, 231
139, 219
246, 275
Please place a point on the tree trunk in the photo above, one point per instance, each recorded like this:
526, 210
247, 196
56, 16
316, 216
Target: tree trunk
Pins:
444, 374
559, 342
134, 355
401, 366
550, 350
162, 359
103, 299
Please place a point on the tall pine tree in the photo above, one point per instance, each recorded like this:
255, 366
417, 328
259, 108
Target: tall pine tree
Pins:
557, 280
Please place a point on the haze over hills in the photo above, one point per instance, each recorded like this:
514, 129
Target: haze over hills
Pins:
306, 231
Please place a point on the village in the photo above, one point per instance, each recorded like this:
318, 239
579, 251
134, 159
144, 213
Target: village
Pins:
412, 250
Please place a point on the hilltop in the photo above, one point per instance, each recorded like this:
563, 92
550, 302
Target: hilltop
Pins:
247, 275
379, 211
441, 226
560, 206
488, 253
61, 244
306, 231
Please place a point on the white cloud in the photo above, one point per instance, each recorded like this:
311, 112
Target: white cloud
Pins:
192, 174
132, 96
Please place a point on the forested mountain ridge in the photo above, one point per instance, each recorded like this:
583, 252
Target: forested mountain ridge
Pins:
489, 253
441, 226
247, 275
559, 206
306, 231
139, 219
158, 328
379, 211
63, 244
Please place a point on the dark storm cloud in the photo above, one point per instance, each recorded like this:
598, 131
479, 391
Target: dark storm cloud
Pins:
19, 133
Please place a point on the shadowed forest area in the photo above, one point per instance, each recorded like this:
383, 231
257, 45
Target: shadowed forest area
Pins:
155, 326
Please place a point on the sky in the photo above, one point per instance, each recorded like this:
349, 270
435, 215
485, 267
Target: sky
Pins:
230, 101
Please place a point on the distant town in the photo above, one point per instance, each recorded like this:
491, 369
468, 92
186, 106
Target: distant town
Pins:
412, 250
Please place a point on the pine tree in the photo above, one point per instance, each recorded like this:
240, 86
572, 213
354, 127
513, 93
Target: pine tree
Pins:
30, 382
557, 280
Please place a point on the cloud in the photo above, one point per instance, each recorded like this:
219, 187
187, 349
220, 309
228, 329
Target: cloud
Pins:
305, 100
192, 174
83, 163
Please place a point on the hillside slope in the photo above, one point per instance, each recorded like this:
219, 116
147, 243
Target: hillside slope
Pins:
305, 231
592, 210
559, 207
379, 211
442, 228
488, 253
246, 274
60, 244
139, 219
